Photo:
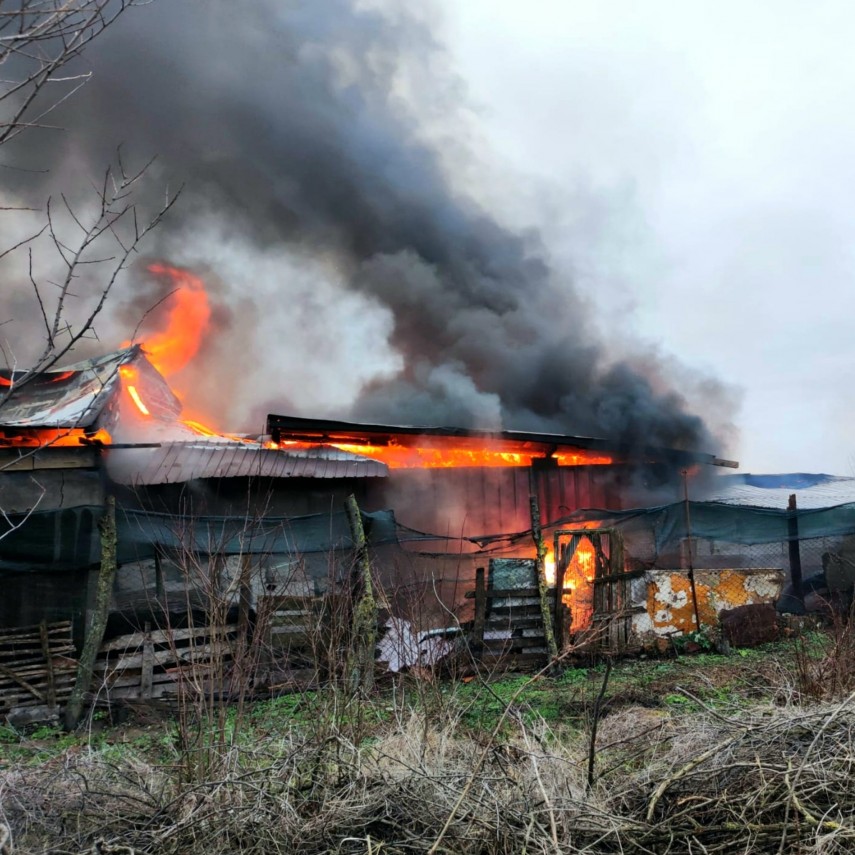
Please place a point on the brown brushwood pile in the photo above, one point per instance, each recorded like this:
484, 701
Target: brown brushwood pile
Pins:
772, 780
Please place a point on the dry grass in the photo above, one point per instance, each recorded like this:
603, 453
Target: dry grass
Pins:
772, 780
824, 663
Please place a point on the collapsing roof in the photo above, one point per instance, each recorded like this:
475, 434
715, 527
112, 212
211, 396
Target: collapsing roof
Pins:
145, 441
73, 397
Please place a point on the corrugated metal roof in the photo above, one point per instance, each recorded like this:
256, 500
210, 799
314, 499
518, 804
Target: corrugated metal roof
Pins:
177, 462
71, 398
773, 491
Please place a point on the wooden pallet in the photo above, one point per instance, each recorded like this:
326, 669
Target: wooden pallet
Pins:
508, 626
161, 663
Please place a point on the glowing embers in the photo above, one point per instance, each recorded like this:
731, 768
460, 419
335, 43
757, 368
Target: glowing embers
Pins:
415, 457
198, 427
53, 438
204, 430
135, 397
8, 379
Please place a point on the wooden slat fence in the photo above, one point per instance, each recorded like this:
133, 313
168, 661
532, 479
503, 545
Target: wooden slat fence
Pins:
37, 669
291, 624
158, 663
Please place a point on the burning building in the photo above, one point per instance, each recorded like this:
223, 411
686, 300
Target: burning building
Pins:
440, 499
437, 502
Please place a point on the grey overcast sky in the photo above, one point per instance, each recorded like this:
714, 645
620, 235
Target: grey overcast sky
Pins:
715, 146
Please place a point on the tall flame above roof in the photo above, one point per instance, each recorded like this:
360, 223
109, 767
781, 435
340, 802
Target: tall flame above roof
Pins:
182, 319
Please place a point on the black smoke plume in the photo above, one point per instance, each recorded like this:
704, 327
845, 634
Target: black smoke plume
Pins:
316, 129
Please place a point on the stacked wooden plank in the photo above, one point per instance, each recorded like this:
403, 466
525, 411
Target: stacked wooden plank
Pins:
37, 670
160, 663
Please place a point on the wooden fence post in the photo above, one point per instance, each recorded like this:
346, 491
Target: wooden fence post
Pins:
98, 620
795, 554
364, 621
51, 678
147, 667
540, 546
480, 612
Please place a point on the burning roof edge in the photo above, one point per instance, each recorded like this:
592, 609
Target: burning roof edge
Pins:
324, 430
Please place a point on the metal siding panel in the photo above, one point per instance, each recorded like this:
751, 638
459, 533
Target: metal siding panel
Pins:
573, 502
210, 466
579, 488
156, 472
181, 461
490, 484
238, 464
522, 494
171, 472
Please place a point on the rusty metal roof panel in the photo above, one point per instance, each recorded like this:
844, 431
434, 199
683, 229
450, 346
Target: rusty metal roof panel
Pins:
71, 398
177, 462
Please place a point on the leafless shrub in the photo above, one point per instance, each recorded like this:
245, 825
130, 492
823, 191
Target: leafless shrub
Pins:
823, 662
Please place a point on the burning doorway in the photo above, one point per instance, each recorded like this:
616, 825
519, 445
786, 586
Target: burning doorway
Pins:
592, 582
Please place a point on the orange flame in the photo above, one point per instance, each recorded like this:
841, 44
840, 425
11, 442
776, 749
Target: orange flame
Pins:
188, 315
53, 438
549, 566
444, 456
579, 585
130, 377
135, 396
185, 320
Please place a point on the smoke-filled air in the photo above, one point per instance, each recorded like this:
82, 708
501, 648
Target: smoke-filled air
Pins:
332, 204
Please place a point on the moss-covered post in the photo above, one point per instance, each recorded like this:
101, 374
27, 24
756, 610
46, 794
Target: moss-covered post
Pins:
542, 589
97, 617
360, 670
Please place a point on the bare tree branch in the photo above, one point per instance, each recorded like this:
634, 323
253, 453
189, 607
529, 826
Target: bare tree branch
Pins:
117, 226
85, 246
38, 38
39, 298
23, 242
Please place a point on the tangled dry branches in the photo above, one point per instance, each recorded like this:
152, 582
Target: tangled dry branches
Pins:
772, 781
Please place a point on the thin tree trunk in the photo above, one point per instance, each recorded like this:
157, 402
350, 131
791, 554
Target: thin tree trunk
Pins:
98, 622
364, 623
